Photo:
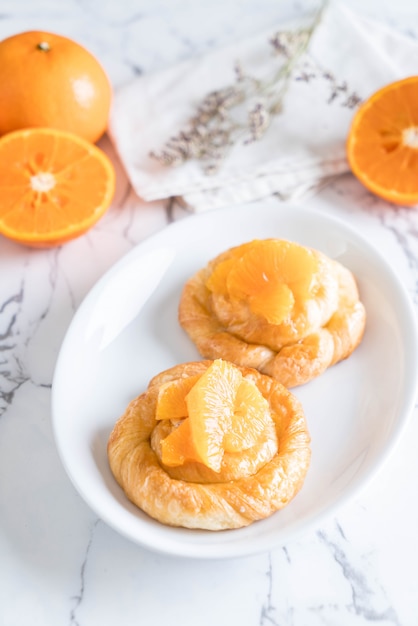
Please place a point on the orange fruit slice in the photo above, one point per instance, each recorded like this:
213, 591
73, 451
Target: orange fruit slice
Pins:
210, 406
47, 80
178, 446
250, 417
55, 186
222, 412
382, 144
227, 413
171, 401
267, 274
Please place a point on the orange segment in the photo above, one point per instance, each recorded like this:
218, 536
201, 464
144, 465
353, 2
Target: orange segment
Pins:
55, 186
382, 144
250, 418
178, 447
218, 280
268, 274
171, 401
210, 405
225, 413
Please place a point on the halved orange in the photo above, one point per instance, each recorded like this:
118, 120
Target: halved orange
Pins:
55, 186
382, 144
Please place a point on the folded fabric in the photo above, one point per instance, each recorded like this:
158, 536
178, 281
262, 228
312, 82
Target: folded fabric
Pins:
348, 58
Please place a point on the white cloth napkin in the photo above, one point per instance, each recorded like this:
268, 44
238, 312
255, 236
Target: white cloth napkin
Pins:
349, 57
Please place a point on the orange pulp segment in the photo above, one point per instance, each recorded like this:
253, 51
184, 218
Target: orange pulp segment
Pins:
171, 401
382, 143
210, 405
268, 274
55, 186
178, 446
250, 417
225, 413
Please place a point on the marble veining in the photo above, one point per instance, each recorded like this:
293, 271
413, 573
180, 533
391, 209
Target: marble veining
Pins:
59, 563
78, 599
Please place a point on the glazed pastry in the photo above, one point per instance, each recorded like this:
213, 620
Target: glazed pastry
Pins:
211, 445
274, 305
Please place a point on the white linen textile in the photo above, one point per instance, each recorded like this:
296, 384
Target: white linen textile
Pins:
349, 57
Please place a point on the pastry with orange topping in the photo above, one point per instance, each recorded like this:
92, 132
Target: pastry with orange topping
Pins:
211, 445
274, 305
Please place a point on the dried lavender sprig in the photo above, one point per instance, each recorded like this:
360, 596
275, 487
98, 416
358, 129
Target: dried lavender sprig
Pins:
212, 131
259, 120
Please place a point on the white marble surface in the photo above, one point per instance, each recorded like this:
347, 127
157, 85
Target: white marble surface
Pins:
60, 564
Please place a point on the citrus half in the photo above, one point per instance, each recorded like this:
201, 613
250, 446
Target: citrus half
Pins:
382, 145
55, 186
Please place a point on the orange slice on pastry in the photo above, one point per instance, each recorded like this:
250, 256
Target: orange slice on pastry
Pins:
171, 402
267, 275
222, 412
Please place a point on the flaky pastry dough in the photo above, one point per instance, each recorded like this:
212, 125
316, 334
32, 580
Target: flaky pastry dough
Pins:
321, 330
193, 495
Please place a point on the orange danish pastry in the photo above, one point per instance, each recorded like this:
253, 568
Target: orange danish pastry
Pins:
211, 445
274, 305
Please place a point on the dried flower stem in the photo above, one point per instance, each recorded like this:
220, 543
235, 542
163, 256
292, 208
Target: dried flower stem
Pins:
213, 130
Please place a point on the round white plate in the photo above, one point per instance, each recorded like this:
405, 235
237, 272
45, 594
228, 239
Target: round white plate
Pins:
126, 331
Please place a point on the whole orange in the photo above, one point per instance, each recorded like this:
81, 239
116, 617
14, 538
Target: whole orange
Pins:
47, 80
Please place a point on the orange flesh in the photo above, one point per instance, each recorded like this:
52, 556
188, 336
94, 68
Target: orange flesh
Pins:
225, 413
382, 145
55, 186
171, 402
210, 406
268, 274
249, 419
178, 447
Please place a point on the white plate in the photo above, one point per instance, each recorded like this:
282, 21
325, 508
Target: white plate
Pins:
126, 331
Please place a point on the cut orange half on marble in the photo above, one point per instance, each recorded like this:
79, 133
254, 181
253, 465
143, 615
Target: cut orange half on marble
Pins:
55, 186
382, 145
